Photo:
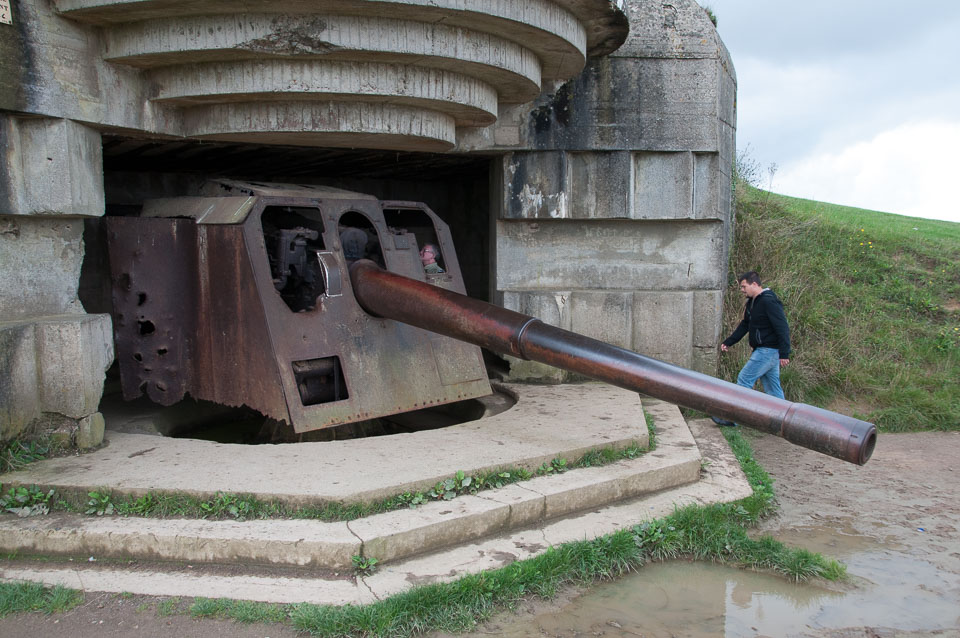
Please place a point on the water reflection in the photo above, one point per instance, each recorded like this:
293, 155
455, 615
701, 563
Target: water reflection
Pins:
695, 600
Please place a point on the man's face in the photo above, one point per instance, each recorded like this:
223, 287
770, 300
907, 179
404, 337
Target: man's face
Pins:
427, 256
750, 290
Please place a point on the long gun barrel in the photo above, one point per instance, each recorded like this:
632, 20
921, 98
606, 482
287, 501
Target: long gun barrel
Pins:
391, 296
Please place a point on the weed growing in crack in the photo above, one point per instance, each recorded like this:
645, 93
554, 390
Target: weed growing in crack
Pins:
363, 565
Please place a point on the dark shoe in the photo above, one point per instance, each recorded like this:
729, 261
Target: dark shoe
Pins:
722, 423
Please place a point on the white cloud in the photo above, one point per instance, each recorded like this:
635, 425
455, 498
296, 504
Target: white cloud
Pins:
856, 101
909, 170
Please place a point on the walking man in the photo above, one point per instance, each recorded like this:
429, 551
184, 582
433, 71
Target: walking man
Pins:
769, 336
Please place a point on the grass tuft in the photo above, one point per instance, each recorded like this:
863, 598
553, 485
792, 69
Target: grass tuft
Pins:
17, 454
17, 597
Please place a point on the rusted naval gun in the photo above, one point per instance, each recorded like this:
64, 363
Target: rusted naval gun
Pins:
262, 295
392, 296
240, 295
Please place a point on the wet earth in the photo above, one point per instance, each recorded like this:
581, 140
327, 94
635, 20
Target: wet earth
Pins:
895, 523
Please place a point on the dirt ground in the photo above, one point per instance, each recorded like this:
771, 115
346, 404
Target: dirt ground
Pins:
905, 500
903, 507
114, 615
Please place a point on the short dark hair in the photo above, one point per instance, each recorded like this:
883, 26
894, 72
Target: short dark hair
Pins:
751, 277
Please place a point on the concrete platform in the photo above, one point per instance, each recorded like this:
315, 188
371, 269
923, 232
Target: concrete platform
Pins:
546, 422
294, 561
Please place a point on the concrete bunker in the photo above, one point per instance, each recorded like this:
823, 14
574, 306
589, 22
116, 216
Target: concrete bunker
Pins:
578, 150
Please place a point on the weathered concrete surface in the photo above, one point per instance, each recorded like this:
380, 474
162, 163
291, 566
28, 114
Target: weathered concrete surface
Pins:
476, 104
389, 536
607, 255
546, 422
309, 543
52, 356
40, 258
669, 88
53, 167
615, 192
175, 580
54, 368
73, 354
19, 392
90, 430
292, 543
187, 68
319, 123
613, 184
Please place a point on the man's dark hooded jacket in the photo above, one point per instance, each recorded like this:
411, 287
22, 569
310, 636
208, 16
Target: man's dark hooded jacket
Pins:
765, 322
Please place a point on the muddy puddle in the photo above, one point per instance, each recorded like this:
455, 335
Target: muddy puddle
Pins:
887, 589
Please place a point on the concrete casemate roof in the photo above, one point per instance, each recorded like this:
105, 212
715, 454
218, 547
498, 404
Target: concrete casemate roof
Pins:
393, 74
605, 20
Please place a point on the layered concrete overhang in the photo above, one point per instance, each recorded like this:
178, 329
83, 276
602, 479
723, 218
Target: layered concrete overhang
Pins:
387, 74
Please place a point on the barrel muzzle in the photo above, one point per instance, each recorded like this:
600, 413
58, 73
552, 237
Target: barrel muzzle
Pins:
835, 434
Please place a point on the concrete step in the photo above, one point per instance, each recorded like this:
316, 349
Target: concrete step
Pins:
387, 537
720, 480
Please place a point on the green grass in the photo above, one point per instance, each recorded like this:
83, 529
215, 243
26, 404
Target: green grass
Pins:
651, 430
244, 611
17, 454
19, 597
873, 301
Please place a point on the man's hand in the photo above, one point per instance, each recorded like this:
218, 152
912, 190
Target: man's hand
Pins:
723, 347
784, 362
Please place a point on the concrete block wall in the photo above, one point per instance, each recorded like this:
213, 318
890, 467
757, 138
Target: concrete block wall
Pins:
614, 210
53, 355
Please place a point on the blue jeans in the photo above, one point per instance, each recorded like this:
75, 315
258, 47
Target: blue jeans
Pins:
764, 364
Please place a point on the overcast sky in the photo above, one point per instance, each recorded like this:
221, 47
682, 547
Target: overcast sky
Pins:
857, 102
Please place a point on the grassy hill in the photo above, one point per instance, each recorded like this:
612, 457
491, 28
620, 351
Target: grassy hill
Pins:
873, 301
